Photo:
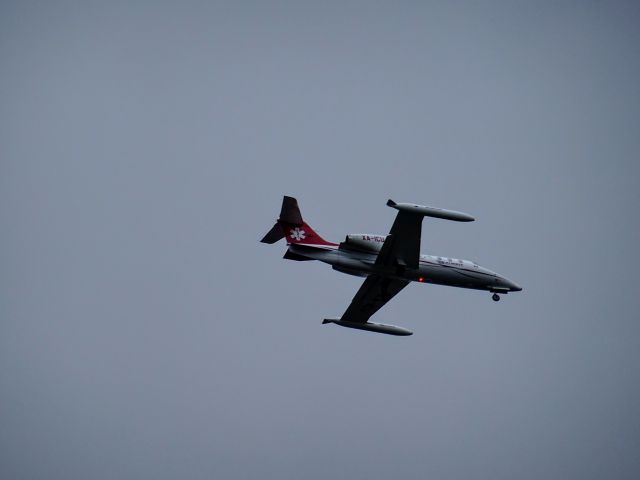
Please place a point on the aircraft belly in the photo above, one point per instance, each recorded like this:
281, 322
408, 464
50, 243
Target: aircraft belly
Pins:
313, 253
347, 262
352, 263
450, 276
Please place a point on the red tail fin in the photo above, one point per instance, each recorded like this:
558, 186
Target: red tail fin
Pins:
302, 234
293, 227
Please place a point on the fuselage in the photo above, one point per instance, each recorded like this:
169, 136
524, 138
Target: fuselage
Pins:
432, 269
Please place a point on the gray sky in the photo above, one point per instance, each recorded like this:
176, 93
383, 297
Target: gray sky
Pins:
145, 148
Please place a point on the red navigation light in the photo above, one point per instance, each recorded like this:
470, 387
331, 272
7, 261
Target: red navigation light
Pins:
421, 279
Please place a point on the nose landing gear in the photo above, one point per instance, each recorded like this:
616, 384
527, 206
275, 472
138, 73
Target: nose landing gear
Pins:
495, 297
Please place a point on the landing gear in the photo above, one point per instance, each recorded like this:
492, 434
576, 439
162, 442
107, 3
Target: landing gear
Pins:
495, 297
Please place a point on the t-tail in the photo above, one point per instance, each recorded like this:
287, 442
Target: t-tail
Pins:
291, 225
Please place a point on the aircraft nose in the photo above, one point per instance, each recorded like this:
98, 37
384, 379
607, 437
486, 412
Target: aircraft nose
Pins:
514, 286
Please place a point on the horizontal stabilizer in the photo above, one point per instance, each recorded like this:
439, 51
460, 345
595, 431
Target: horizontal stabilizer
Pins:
430, 211
289, 255
273, 235
371, 327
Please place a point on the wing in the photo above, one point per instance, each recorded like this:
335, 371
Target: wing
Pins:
372, 295
402, 245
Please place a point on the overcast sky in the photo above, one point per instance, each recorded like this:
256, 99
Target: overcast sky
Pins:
145, 148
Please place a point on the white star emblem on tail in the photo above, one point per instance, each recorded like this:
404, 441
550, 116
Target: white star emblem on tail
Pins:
297, 234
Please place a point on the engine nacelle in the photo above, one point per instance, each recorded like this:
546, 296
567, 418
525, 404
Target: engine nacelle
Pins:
364, 241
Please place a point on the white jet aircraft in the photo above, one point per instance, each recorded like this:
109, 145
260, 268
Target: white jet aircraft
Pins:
389, 262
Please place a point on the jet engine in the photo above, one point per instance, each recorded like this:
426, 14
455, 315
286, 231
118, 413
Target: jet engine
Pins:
364, 241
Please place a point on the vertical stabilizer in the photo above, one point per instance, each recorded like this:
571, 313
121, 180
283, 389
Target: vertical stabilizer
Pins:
291, 225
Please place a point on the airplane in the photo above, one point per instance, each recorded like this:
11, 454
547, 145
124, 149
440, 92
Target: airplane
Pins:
388, 262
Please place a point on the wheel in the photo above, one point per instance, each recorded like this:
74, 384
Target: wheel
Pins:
495, 297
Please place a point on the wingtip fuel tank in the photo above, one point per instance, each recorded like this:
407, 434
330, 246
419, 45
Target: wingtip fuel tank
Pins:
371, 327
431, 211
